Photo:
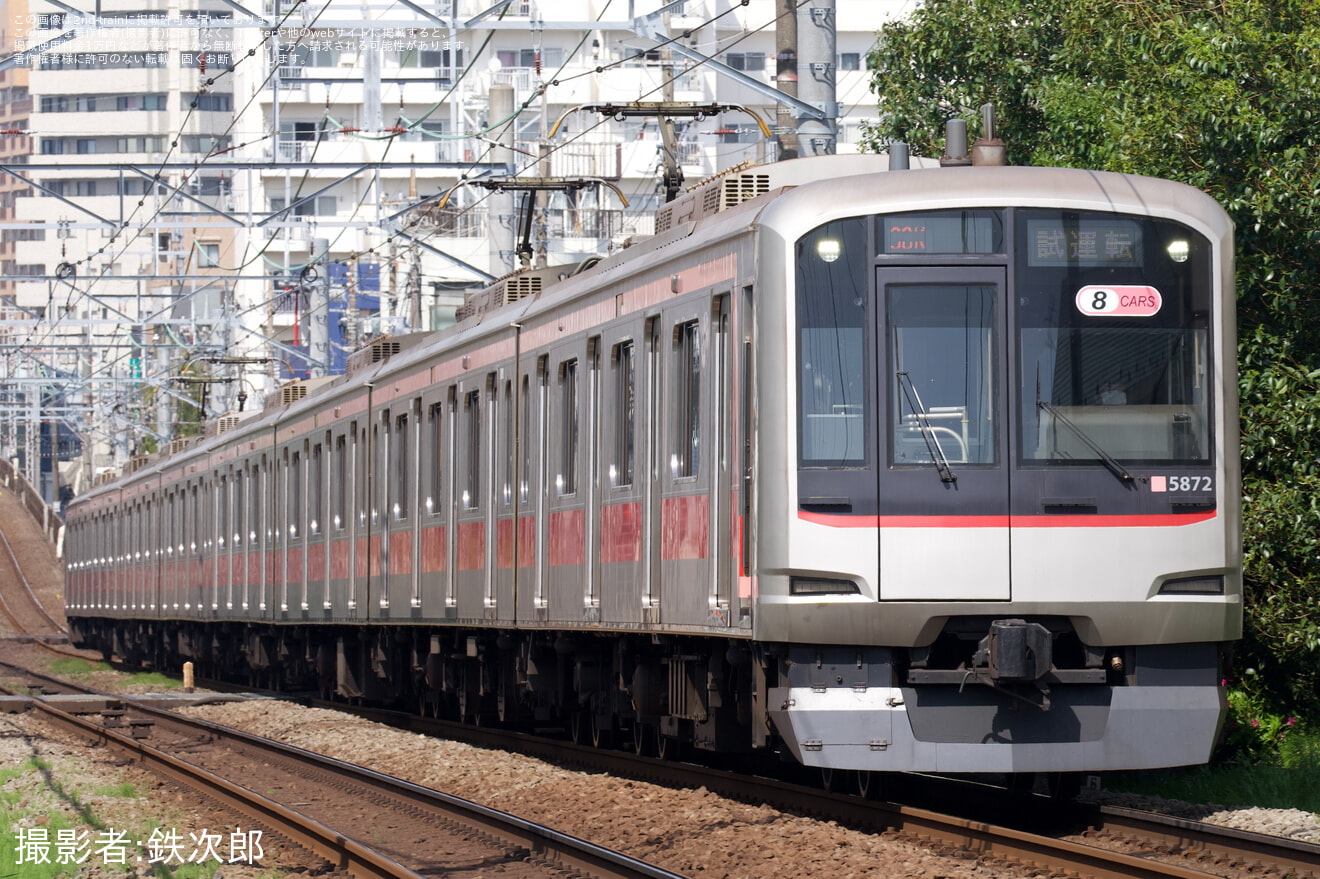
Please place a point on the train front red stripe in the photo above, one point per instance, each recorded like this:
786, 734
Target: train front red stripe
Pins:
1135, 521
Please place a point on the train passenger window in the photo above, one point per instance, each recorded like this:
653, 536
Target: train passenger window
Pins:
684, 460
566, 480
472, 484
831, 295
314, 492
401, 459
434, 457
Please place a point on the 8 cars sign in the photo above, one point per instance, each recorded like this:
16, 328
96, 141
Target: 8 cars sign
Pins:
1097, 301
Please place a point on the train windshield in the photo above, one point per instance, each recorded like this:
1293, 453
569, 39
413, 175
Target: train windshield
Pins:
1113, 358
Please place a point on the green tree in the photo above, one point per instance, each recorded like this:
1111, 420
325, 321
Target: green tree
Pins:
1224, 97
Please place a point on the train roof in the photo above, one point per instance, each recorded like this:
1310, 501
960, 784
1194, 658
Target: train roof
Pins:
791, 197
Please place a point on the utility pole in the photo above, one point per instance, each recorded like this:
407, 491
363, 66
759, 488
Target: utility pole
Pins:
786, 75
499, 226
318, 311
816, 78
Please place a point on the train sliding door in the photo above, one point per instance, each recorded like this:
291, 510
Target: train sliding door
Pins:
943, 483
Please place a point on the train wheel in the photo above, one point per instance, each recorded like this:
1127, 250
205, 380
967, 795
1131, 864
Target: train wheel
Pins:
579, 725
831, 779
1064, 786
1021, 784
869, 784
601, 736
668, 747
643, 739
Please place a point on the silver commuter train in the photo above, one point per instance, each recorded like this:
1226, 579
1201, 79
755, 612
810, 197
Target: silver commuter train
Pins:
931, 470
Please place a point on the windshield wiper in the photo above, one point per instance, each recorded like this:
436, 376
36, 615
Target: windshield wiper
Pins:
927, 432
1116, 468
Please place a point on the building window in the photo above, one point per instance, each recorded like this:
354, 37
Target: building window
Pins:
84, 187
208, 256
850, 61
209, 102
52, 146
140, 102
54, 104
748, 61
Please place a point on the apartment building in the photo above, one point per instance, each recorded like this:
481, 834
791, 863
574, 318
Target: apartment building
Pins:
334, 140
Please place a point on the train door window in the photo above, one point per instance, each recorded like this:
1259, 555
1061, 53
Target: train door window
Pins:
625, 415
593, 467
380, 482
685, 459
434, 457
943, 344
193, 524
170, 539
315, 492
566, 480
282, 500
242, 488
222, 514
254, 504
401, 460
339, 489
506, 482
472, 441
295, 495
526, 419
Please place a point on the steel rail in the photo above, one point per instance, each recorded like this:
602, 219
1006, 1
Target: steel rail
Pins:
27, 587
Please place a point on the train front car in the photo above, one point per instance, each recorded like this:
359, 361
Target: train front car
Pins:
1010, 540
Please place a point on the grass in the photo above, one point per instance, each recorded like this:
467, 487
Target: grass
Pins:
124, 790
73, 667
1268, 787
68, 665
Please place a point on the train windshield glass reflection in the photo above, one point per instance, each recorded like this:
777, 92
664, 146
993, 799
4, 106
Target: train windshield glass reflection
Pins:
832, 374
1136, 382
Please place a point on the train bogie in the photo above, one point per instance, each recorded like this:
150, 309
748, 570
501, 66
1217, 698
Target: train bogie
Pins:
931, 469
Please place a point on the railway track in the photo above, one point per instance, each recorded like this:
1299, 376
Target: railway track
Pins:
19, 603
1071, 839
404, 831
953, 817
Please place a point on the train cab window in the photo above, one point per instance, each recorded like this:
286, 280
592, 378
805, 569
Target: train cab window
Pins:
832, 299
566, 479
472, 452
625, 415
1114, 339
685, 459
401, 462
434, 457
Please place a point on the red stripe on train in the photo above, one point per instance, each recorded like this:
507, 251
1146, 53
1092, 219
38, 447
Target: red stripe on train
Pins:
685, 527
621, 533
568, 535
1156, 520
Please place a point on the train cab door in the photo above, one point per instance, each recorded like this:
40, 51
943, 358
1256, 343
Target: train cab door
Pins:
943, 440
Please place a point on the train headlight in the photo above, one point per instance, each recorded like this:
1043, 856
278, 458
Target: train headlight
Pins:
1193, 586
821, 586
828, 249
1179, 250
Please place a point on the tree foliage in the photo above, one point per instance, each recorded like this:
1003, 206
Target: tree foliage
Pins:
1223, 96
